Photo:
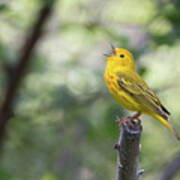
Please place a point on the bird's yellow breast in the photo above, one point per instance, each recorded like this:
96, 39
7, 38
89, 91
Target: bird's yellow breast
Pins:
111, 80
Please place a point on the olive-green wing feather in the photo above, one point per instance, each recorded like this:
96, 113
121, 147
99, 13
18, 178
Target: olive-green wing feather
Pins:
137, 89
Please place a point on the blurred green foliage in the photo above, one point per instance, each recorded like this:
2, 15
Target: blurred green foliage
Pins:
63, 125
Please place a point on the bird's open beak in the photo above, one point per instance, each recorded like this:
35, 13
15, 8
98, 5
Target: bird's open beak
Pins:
107, 55
113, 51
112, 47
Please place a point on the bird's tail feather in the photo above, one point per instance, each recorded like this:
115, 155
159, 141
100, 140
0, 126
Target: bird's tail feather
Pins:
168, 125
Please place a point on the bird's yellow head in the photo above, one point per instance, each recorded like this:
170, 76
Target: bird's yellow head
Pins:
121, 58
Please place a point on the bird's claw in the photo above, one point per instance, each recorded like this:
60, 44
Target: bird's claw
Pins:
127, 120
130, 120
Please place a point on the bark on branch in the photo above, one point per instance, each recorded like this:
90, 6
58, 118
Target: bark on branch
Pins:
24, 60
128, 148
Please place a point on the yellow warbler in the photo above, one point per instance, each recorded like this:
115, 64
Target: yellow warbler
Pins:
130, 90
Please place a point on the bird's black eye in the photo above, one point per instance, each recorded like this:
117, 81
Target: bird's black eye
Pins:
121, 55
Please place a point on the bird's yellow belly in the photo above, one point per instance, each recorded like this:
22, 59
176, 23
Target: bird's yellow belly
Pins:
119, 94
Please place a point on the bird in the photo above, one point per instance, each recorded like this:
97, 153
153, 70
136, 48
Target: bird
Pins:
131, 91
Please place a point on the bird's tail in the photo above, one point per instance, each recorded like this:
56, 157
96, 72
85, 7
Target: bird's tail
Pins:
168, 125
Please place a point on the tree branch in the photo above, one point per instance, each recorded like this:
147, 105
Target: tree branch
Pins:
171, 169
128, 148
24, 60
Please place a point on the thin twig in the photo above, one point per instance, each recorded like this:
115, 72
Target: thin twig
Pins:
128, 148
170, 170
24, 60
139, 173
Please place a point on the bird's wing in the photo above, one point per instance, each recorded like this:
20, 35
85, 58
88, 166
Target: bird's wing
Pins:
138, 90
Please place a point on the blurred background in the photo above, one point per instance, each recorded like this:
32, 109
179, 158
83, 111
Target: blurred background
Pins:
60, 118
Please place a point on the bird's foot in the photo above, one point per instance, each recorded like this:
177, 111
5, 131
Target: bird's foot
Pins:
130, 120
127, 120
